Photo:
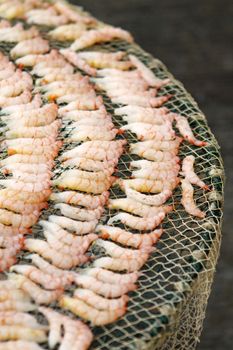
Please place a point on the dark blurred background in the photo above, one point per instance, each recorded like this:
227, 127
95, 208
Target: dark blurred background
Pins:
194, 39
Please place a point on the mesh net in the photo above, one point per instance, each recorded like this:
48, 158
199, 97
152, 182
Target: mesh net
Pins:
167, 310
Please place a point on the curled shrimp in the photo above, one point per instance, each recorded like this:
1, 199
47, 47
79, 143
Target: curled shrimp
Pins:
41, 296
155, 166
79, 115
134, 207
18, 33
138, 223
185, 130
57, 258
149, 132
190, 175
22, 106
98, 176
36, 132
19, 206
119, 264
96, 317
36, 275
68, 31
93, 133
105, 60
86, 200
89, 164
13, 294
78, 62
19, 344
79, 227
188, 200
98, 302
165, 146
20, 185
111, 277
76, 335
115, 251
96, 36
46, 151
23, 98
73, 14
8, 231
142, 101
156, 199
19, 318
105, 289
8, 71
27, 197
17, 220
156, 156
43, 71
79, 213
27, 159
32, 59
150, 186
156, 175
147, 74
127, 238
27, 168
32, 46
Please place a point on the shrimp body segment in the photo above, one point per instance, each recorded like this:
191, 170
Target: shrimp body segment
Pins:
188, 200
190, 175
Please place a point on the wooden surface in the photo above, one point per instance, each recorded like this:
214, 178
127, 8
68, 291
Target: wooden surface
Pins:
194, 39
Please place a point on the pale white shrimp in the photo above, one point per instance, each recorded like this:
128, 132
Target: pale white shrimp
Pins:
164, 165
19, 344
79, 213
110, 156
155, 175
17, 33
8, 242
19, 318
23, 98
8, 258
124, 90
127, 238
65, 277
93, 133
89, 164
143, 101
146, 111
74, 115
36, 132
156, 199
36, 275
17, 88
64, 92
188, 200
78, 62
150, 132
56, 75
108, 290
59, 259
36, 102
20, 185
27, 159
32, 46
116, 87
150, 186
76, 335
27, 197
190, 175
147, 74
132, 206
74, 14
86, 200
112, 73
16, 220
19, 206
13, 294
32, 59
116, 264
46, 151
111, 277
96, 36
74, 105
7, 72
58, 63
81, 101
8, 231
138, 223
83, 184
115, 251
27, 168
62, 236
98, 302
14, 332
185, 130
156, 119
93, 55
97, 176
41, 296
18, 74
68, 31
46, 19
156, 156
168, 146
17, 305
81, 83
102, 60
79, 227
16, 9
46, 141
44, 71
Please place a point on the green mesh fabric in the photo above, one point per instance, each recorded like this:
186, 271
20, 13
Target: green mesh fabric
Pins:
167, 310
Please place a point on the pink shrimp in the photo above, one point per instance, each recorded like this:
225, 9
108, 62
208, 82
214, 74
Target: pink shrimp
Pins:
138, 110
79, 213
190, 175
119, 264
31, 168
139, 100
36, 102
146, 131
19, 344
188, 200
20, 185
43, 71
17, 220
23, 98
8, 242
58, 259
93, 133
79, 115
156, 175
46, 141
86, 200
27, 197
36, 275
46, 151
155, 166
108, 290
19, 206
19, 318
171, 145
89, 164
32, 59
8, 71
78, 62
79, 227
156, 156
127, 238
156, 199
111, 277
150, 186
104, 34
18, 33
98, 302
32, 46
8, 231
41, 296
27, 159
36, 132
185, 130
17, 305
115, 251
68, 32
138, 223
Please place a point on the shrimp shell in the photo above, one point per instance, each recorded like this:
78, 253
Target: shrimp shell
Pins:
185, 130
79, 213
137, 223
17, 220
111, 277
98, 302
156, 199
41, 296
19, 345
32, 46
79, 227
86, 200
190, 175
188, 200
58, 259
127, 238
108, 290
21, 332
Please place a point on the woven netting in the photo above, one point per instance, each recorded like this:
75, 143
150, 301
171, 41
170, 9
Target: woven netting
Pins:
167, 309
